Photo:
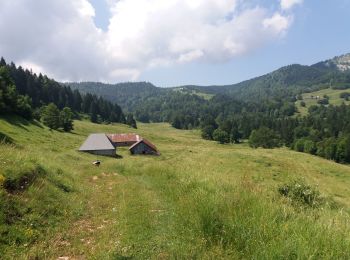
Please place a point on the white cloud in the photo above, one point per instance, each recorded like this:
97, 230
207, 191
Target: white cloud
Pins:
277, 23
288, 4
60, 37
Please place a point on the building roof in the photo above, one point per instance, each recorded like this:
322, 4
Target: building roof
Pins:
97, 142
145, 141
122, 138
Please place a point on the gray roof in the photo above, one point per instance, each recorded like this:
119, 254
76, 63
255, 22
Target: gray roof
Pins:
97, 142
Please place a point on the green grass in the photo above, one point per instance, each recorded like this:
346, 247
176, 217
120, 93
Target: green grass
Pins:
203, 95
333, 94
198, 199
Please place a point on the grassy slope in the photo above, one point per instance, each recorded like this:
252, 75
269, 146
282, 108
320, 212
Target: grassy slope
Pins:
333, 99
198, 199
203, 95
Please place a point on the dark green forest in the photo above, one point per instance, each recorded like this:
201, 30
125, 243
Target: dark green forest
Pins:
24, 93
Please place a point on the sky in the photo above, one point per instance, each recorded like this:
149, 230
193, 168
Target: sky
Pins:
170, 42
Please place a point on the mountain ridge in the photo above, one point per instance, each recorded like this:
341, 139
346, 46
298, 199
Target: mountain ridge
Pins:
281, 84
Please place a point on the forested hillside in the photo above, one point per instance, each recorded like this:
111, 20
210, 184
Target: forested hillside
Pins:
26, 93
127, 95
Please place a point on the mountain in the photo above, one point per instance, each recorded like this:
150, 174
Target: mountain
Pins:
289, 80
339, 63
282, 84
127, 95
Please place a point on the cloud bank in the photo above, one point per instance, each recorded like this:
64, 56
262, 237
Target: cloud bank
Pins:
60, 38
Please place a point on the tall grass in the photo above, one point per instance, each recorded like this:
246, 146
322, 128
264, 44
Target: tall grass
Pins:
205, 221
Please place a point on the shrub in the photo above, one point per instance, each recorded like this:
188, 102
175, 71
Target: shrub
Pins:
50, 116
324, 101
235, 135
330, 148
301, 193
207, 132
221, 136
299, 145
300, 132
264, 137
343, 150
320, 149
66, 119
344, 95
310, 147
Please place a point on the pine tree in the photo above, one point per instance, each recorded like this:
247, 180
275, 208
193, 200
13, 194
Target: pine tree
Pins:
93, 112
131, 121
2, 62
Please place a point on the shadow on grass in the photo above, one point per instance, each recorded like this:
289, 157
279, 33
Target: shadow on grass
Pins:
4, 139
36, 123
20, 121
117, 156
16, 120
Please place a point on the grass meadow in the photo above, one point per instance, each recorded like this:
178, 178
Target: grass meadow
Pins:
198, 200
333, 95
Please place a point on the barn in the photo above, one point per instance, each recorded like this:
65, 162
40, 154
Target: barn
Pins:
98, 144
124, 139
144, 147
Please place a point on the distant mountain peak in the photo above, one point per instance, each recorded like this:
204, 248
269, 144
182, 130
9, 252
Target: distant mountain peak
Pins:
340, 63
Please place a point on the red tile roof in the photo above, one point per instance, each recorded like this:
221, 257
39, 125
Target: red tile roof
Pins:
122, 138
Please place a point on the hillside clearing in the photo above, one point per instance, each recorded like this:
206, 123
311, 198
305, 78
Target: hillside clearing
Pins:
198, 199
333, 95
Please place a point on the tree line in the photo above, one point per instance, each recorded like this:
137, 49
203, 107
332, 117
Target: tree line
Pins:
26, 94
325, 131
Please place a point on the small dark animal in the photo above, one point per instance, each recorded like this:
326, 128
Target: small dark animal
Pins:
96, 163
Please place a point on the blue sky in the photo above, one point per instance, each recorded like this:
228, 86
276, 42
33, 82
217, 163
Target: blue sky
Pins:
320, 30
171, 43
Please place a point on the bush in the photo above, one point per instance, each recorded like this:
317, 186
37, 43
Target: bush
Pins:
310, 147
66, 119
264, 137
345, 95
50, 116
303, 194
343, 150
299, 145
221, 136
324, 101
207, 132
330, 148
